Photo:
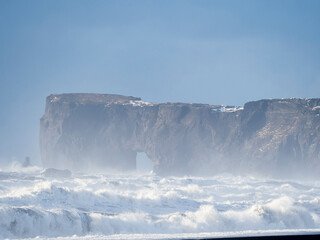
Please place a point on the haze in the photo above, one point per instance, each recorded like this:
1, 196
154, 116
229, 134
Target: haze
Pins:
216, 52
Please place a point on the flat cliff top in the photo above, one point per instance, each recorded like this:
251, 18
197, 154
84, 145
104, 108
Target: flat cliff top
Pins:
84, 98
89, 98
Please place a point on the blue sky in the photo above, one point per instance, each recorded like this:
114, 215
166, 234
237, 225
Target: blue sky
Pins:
216, 52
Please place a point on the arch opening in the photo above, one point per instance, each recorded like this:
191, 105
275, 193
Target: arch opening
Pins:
143, 163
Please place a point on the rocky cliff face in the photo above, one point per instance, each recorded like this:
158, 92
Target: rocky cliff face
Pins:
279, 137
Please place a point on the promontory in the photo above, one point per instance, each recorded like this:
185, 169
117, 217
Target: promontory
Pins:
274, 137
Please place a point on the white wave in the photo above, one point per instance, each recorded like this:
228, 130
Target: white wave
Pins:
32, 205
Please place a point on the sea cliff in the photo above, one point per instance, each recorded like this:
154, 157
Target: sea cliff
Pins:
275, 137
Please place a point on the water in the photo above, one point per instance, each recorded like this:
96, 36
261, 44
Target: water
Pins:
151, 207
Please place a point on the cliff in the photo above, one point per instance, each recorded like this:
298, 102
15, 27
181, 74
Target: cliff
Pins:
278, 137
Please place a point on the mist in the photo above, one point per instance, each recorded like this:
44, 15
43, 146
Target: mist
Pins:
119, 167
159, 119
208, 52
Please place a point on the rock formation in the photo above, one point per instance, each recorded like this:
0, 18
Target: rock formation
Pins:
277, 137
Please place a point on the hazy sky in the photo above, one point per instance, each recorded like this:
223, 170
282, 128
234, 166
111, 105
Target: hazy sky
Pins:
217, 52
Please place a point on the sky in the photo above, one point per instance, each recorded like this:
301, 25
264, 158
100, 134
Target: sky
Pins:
215, 52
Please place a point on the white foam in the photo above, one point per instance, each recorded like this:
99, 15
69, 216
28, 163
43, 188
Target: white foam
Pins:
148, 206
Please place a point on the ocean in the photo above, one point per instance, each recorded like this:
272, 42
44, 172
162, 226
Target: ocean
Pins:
147, 206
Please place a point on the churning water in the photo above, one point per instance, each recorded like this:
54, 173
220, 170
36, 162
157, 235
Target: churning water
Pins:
149, 206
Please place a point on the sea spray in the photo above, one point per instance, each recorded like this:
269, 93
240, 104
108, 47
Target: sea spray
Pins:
32, 205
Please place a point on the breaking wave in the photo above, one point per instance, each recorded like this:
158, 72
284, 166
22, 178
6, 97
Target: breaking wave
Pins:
32, 205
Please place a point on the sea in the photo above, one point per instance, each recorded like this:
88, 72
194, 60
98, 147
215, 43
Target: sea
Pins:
35, 205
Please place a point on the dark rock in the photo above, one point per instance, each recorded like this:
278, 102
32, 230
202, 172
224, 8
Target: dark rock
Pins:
279, 137
26, 162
